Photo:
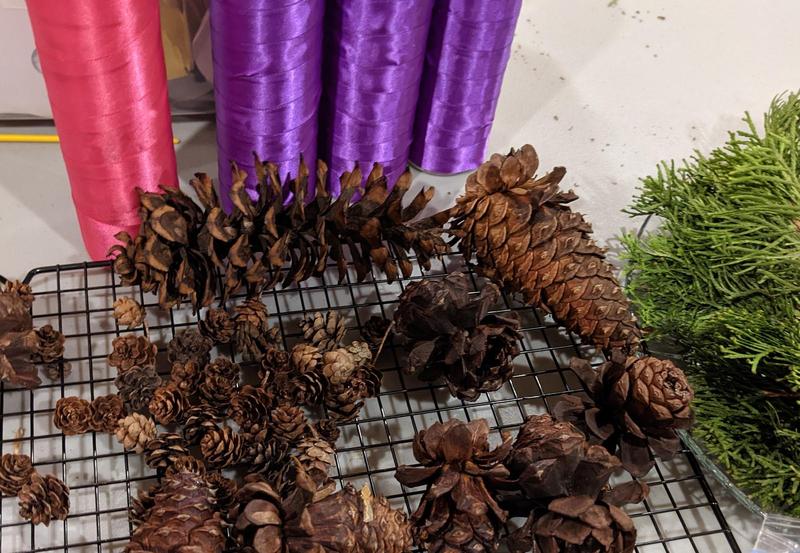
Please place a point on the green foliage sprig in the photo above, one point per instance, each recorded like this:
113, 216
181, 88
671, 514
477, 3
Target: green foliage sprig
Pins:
721, 278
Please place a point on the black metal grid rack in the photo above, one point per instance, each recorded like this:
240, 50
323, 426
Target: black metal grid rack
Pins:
680, 515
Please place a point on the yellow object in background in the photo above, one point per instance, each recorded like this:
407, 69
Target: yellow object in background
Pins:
43, 138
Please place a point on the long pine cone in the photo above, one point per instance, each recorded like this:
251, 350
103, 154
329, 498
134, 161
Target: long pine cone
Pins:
526, 238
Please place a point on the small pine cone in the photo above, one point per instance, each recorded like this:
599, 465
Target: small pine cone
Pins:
328, 430
162, 451
222, 447
361, 353
288, 423
306, 389
217, 325
224, 490
338, 366
324, 330
262, 454
367, 381
199, 420
305, 358
137, 385
224, 367
250, 408
106, 413
316, 455
21, 290
186, 376
217, 391
374, 330
141, 505
190, 345
15, 472
168, 404
73, 415
134, 431
128, 312
130, 351
56, 372
50, 348
273, 361
343, 404
253, 335
186, 463
44, 498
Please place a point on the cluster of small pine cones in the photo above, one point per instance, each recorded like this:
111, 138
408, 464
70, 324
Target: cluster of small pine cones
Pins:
42, 498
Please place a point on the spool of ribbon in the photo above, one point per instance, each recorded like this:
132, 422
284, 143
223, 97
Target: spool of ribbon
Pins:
374, 54
468, 49
267, 63
103, 65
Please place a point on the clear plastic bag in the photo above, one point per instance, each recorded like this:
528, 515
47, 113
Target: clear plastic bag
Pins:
779, 534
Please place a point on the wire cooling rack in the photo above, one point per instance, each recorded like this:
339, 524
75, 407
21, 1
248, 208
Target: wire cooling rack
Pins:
680, 515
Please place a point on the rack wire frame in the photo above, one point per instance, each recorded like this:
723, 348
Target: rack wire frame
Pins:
680, 515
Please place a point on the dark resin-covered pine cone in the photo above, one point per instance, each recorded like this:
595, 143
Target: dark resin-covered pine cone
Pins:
635, 405
253, 334
44, 499
189, 345
527, 239
130, 351
15, 472
217, 325
457, 511
168, 405
106, 413
450, 334
222, 447
137, 385
324, 330
73, 415
51, 344
162, 451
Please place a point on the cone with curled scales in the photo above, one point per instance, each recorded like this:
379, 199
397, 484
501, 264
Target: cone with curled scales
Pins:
525, 237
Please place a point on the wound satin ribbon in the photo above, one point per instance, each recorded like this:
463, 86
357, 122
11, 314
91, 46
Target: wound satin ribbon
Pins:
374, 54
267, 84
468, 49
103, 64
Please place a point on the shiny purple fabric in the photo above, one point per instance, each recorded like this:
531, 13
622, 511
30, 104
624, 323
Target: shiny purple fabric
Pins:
468, 49
267, 83
374, 54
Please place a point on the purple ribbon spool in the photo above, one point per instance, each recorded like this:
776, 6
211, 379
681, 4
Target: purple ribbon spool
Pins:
374, 55
267, 84
468, 50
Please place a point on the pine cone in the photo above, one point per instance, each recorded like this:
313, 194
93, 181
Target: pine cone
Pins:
216, 391
186, 376
528, 240
343, 403
73, 415
217, 325
225, 368
183, 518
324, 330
305, 358
273, 361
168, 404
253, 335
128, 312
328, 430
189, 345
316, 455
288, 423
222, 447
458, 468
199, 420
449, 335
361, 352
186, 463
635, 405
374, 330
57, 372
338, 366
224, 491
137, 385
162, 451
130, 351
51, 344
250, 408
134, 431
141, 505
263, 455
106, 413
305, 389
15, 472
18, 342
44, 498
22, 291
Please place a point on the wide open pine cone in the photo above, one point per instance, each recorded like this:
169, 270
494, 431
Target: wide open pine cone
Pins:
183, 518
253, 334
222, 447
106, 413
137, 385
189, 345
449, 334
526, 239
168, 405
198, 420
15, 472
130, 351
73, 415
134, 431
43, 499
128, 312
217, 325
457, 511
51, 344
324, 330
250, 408
22, 291
162, 451
635, 405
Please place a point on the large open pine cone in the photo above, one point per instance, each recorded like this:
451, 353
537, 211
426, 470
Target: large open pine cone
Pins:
15, 472
527, 239
457, 511
43, 499
635, 404
449, 334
